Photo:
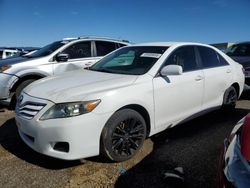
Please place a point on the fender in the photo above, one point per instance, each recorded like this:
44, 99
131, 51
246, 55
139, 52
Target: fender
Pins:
27, 73
32, 72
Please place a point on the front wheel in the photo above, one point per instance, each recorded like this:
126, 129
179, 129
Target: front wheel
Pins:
123, 135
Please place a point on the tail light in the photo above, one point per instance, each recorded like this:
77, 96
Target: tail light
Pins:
245, 138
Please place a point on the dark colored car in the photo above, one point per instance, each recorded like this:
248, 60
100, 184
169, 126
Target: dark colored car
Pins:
235, 161
240, 52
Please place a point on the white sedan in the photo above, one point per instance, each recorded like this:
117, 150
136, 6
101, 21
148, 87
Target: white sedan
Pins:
130, 94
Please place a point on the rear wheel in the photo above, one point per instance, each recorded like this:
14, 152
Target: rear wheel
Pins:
123, 135
230, 98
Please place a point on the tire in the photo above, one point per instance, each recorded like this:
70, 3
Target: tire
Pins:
22, 86
123, 135
230, 98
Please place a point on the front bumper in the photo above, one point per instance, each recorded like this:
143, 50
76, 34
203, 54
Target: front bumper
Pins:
81, 133
236, 170
6, 83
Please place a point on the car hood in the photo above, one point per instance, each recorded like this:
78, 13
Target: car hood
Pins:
15, 60
76, 85
244, 61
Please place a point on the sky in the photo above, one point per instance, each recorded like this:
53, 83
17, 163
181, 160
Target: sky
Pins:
40, 22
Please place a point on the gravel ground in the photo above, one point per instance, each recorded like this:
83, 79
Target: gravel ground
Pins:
195, 146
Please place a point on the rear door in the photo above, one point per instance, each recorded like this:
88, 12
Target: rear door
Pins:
179, 96
218, 76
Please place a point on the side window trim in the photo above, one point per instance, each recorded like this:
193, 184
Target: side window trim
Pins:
198, 56
93, 48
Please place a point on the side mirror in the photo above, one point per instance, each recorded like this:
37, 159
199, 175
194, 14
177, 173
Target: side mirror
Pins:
171, 70
62, 57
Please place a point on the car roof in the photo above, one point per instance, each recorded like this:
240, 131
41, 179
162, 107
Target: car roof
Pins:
169, 44
95, 38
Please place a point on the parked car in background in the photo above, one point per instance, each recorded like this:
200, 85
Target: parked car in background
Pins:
24, 51
55, 58
240, 52
235, 163
6, 52
130, 94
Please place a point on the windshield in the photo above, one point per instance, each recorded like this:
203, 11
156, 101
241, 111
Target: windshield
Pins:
47, 50
238, 50
130, 60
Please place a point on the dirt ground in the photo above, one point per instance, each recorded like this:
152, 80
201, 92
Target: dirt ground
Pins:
195, 146
22, 167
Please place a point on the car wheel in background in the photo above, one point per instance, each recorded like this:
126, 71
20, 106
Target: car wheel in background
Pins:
123, 135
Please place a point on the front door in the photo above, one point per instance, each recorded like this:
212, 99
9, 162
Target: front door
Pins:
178, 97
80, 56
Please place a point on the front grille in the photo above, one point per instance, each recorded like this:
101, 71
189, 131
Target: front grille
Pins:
29, 109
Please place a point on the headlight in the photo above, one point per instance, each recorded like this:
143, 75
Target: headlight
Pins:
64, 110
4, 68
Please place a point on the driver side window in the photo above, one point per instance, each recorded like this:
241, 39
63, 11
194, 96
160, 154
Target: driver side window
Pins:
185, 57
78, 50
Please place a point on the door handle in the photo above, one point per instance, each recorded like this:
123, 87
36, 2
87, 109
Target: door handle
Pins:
228, 70
198, 78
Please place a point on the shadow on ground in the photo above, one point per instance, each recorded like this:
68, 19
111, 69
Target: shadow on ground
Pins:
1, 108
245, 95
10, 141
196, 146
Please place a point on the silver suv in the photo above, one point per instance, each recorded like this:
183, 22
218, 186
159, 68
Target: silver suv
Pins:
55, 58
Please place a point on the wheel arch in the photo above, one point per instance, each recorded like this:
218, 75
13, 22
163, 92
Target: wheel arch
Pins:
26, 77
237, 87
143, 112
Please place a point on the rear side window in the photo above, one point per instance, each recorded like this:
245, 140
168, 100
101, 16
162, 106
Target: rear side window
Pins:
185, 57
1, 54
79, 50
210, 58
103, 47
